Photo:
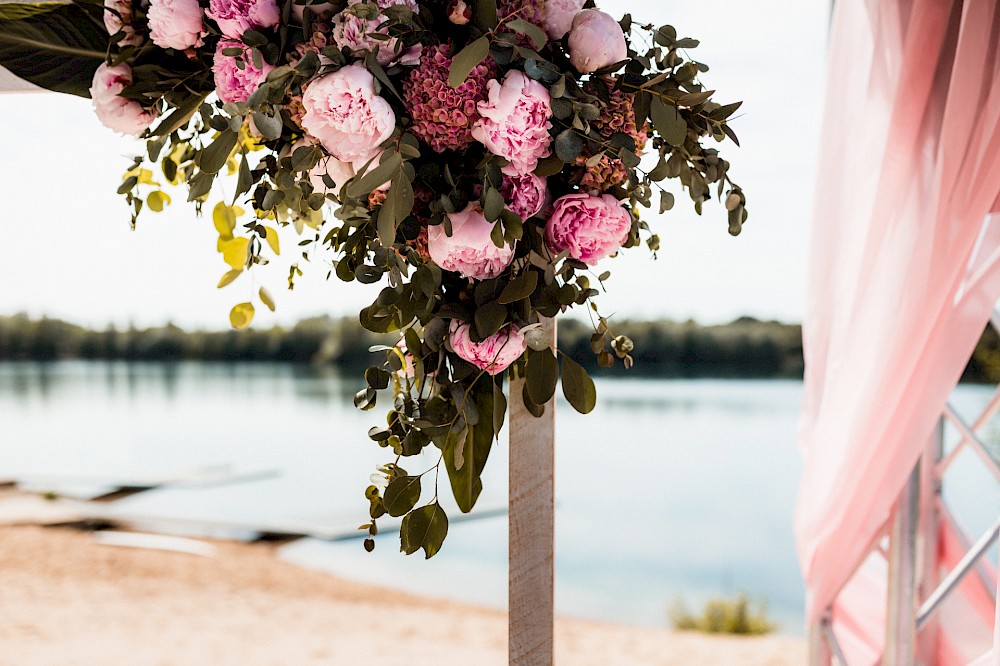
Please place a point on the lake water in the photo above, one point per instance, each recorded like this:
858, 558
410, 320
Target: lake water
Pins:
669, 489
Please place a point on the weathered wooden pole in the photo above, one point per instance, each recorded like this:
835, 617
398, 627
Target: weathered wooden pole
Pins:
532, 528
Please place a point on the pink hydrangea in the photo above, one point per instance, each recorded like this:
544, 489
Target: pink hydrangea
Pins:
345, 113
235, 17
176, 24
118, 18
495, 353
443, 116
524, 193
233, 84
469, 251
118, 113
589, 227
559, 16
514, 122
595, 41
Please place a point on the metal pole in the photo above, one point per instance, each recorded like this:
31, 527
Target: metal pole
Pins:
929, 528
532, 526
819, 651
901, 605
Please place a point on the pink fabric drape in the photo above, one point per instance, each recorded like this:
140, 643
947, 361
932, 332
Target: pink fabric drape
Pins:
904, 263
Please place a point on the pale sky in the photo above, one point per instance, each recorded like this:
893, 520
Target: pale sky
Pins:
66, 249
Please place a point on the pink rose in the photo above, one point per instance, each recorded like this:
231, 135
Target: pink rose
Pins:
345, 113
237, 16
469, 251
118, 18
590, 227
595, 41
524, 193
514, 121
233, 84
118, 113
459, 12
559, 16
176, 24
495, 353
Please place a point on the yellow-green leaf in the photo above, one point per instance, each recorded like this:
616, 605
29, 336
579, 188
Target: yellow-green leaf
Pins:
272, 240
266, 299
228, 278
224, 219
241, 315
157, 200
234, 252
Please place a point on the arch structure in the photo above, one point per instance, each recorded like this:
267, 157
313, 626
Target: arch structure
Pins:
904, 275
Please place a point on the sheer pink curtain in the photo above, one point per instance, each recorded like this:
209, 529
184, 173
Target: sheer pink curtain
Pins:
905, 262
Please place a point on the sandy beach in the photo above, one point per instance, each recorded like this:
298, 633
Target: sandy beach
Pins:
67, 599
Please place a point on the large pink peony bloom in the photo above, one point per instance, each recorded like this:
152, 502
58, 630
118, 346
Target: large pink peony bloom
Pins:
514, 121
122, 115
495, 353
176, 24
233, 84
590, 227
345, 113
237, 16
595, 41
118, 18
469, 250
559, 15
354, 32
442, 115
524, 193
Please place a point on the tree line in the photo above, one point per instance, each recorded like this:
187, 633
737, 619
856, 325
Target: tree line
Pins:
745, 347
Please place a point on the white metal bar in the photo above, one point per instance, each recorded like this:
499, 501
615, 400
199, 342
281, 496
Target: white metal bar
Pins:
955, 576
985, 576
831, 639
973, 440
901, 603
984, 417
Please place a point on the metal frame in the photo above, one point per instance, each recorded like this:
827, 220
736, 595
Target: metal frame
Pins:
914, 592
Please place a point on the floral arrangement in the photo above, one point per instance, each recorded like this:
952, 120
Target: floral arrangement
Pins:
477, 159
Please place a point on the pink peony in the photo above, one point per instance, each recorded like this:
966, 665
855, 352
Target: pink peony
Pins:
233, 84
514, 121
595, 41
469, 251
118, 113
176, 24
345, 113
237, 16
121, 21
559, 15
524, 193
353, 32
590, 227
495, 353
442, 115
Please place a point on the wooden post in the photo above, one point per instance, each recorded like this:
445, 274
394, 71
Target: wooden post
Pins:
532, 527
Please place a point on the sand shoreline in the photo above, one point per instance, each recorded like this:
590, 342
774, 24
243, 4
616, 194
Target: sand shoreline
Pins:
65, 598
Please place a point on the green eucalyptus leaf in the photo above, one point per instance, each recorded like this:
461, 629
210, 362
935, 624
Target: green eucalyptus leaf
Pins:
568, 145
489, 318
213, 157
577, 386
466, 60
668, 122
466, 482
375, 176
401, 495
532, 31
541, 376
519, 288
425, 528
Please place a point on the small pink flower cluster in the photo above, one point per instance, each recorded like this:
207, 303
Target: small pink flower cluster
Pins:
443, 116
495, 353
617, 116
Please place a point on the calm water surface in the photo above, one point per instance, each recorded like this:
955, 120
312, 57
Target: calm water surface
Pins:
670, 488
